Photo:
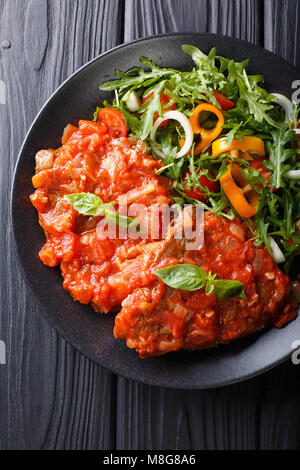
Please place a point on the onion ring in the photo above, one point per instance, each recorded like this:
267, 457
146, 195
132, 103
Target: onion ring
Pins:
183, 120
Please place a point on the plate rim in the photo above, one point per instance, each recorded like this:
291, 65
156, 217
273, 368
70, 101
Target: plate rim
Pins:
29, 283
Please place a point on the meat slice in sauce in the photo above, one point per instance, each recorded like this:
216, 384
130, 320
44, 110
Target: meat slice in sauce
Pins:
118, 273
98, 271
158, 319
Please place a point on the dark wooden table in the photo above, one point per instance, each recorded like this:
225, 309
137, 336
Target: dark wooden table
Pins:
52, 397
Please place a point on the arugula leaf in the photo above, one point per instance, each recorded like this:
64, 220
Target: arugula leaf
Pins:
149, 63
199, 58
257, 105
148, 109
219, 205
279, 155
170, 153
262, 229
190, 277
132, 121
254, 178
95, 114
296, 195
288, 206
291, 252
141, 77
240, 124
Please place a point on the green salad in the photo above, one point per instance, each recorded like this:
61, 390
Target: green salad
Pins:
226, 143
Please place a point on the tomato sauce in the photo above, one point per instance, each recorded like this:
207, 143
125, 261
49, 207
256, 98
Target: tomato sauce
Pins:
158, 319
114, 273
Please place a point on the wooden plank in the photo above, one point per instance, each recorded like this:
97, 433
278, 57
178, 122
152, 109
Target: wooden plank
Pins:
282, 29
50, 395
280, 408
150, 417
238, 18
170, 419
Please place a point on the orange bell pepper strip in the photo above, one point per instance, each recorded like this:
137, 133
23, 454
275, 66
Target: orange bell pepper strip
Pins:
250, 144
207, 135
236, 188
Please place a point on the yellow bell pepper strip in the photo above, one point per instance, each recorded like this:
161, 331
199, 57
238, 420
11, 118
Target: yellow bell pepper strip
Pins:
250, 144
207, 135
236, 187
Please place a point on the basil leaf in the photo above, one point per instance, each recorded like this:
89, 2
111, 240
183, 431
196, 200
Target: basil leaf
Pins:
190, 277
119, 220
183, 276
226, 289
87, 203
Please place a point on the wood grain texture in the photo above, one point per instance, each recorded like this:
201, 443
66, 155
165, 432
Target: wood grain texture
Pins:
36, 39
50, 395
238, 18
172, 419
282, 29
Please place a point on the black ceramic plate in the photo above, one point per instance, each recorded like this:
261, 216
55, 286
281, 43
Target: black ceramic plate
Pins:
79, 324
